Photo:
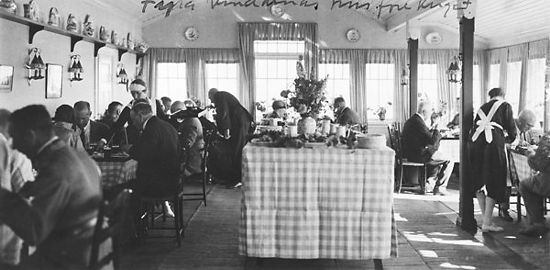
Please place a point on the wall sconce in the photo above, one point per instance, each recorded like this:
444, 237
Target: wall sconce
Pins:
35, 65
75, 68
405, 76
454, 72
122, 76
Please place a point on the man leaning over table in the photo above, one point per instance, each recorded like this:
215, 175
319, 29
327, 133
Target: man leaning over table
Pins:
60, 217
536, 188
15, 171
91, 131
421, 143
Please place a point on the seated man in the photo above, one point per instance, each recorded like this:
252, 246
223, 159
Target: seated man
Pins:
15, 171
91, 131
60, 218
64, 128
110, 117
420, 144
343, 114
279, 110
189, 128
156, 152
536, 188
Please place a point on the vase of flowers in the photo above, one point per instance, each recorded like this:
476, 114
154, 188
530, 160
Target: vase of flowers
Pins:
381, 111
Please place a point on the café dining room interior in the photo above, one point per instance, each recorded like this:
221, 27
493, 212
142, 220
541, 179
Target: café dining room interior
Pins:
377, 54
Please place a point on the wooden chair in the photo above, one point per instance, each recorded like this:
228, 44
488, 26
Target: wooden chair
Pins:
394, 131
110, 220
514, 189
176, 199
204, 175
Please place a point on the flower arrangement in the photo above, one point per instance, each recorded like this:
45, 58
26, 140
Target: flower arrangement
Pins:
308, 98
382, 110
260, 106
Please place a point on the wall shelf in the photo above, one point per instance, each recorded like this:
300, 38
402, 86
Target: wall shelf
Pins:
35, 27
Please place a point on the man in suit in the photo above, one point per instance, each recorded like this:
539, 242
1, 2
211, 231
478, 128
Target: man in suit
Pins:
233, 122
343, 114
60, 218
420, 144
156, 152
91, 131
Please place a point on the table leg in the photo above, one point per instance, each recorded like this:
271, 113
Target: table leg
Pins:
378, 264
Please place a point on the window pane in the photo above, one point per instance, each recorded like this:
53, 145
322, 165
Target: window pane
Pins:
338, 82
427, 83
513, 76
275, 68
171, 81
494, 77
380, 88
105, 86
535, 88
223, 77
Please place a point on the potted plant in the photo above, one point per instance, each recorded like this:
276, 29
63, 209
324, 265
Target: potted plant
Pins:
381, 111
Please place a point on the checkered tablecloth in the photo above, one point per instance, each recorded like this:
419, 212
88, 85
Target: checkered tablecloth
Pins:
521, 165
451, 148
317, 203
117, 172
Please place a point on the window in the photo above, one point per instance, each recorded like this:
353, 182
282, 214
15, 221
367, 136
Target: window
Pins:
535, 87
338, 83
494, 77
105, 84
275, 68
380, 88
427, 83
513, 77
224, 77
477, 88
171, 81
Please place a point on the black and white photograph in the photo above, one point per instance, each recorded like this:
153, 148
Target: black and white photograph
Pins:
274, 134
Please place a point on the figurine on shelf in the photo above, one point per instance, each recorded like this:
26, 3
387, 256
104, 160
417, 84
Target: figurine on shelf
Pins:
54, 17
104, 34
141, 47
31, 11
122, 76
35, 65
129, 42
114, 38
88, 26
75, 68
71, 23
9, 6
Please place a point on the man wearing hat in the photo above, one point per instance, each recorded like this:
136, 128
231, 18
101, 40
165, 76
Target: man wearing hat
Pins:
138, 89
279, 109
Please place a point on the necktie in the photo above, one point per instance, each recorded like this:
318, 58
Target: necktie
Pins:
83, 138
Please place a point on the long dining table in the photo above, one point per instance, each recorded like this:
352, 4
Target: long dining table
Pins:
318, 203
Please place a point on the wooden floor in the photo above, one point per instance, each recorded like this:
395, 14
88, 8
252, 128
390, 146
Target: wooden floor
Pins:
428, 239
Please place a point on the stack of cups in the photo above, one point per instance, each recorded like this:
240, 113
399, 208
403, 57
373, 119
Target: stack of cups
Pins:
293, 131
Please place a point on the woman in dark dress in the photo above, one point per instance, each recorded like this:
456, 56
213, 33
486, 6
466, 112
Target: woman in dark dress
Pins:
488, 154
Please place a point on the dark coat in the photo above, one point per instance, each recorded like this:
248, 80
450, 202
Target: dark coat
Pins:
66, 196
124, 118
98, 131
418, 142
191, 142
489, 165
156, 152
230, 114
347, 117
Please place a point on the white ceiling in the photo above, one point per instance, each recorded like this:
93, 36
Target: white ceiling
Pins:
497, 22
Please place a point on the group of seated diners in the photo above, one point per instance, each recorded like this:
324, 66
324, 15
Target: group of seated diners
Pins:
51, 186
495, 131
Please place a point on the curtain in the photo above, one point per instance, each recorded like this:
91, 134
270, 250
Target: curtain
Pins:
358, 83
401, 97
248, 32
537, 49
480, 59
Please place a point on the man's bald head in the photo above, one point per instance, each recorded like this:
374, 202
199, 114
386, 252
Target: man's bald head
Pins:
527, 120
211, 93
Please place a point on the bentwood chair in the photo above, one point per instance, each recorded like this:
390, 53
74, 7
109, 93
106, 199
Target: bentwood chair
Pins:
110, 220
204, 175
401, 162
176, 199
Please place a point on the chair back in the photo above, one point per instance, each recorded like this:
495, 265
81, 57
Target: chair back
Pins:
394, 133
110, 220
208, 138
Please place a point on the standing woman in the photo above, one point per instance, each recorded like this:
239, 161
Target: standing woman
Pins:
488, 154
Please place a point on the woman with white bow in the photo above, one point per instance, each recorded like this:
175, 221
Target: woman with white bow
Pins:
488, 154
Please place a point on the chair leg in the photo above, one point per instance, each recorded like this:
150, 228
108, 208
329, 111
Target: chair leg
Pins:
518, 206
177, 220
423, 180
163, 211
204, 177
400, 178
182, 226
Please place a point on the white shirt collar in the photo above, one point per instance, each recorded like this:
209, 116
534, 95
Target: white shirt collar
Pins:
46, 144
145, 123
421, 117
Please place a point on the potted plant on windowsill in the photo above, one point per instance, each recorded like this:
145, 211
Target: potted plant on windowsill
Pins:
381, 111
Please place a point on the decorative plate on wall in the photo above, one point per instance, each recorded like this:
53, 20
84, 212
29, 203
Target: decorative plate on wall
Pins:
353, 35
433, 38
191, 33
277, 10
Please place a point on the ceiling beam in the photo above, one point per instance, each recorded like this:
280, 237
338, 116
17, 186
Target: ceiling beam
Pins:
419, 8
